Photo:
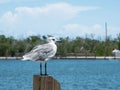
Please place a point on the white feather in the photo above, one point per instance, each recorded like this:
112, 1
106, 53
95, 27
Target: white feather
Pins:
42, 52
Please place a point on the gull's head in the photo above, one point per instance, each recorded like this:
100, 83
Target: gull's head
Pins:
51, 39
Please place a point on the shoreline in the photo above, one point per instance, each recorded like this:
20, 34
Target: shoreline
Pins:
89, 57
10, 58
69, 57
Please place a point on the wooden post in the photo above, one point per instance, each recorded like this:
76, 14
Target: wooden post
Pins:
43, 82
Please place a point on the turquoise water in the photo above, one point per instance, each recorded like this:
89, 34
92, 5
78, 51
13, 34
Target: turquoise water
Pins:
72, 74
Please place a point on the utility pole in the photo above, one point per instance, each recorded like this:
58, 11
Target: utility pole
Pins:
105, 39
106, 30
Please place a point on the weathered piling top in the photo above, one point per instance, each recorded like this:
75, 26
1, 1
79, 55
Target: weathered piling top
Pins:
45, 82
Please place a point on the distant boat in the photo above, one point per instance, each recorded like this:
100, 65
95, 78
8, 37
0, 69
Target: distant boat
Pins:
116, 52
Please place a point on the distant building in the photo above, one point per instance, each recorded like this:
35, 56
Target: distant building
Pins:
116, 52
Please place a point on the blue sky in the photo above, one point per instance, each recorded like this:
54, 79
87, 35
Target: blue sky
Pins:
60, 18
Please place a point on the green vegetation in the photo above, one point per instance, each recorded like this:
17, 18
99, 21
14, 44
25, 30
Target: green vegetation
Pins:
10, 46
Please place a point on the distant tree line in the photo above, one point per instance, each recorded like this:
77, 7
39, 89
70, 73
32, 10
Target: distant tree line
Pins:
9, 46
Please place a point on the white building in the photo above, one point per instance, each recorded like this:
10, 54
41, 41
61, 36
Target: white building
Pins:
116, 52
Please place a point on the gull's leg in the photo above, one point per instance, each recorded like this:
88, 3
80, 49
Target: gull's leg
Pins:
40, 68
45, 68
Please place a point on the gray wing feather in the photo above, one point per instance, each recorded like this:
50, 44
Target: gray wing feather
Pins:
40, 52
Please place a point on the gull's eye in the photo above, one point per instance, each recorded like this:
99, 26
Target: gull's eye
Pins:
53, 39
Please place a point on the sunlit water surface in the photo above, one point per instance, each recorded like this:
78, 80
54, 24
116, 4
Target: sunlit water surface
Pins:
72, 74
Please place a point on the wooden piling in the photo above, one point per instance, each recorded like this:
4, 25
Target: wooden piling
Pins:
43, 82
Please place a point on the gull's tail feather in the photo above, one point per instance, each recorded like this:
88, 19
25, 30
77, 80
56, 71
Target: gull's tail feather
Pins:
31, 56
25, 58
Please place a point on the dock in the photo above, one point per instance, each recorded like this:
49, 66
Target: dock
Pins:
89, 57
69, 57
10, 58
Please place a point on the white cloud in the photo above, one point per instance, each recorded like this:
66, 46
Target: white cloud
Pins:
63, 10
82, 30
47, 19
97, 27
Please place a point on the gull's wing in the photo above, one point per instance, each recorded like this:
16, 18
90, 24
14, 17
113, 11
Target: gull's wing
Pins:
40, 52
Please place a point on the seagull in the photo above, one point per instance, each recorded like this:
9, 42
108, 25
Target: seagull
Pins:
42, 53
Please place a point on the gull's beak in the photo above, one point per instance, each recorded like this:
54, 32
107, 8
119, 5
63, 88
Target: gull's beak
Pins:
58, 41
